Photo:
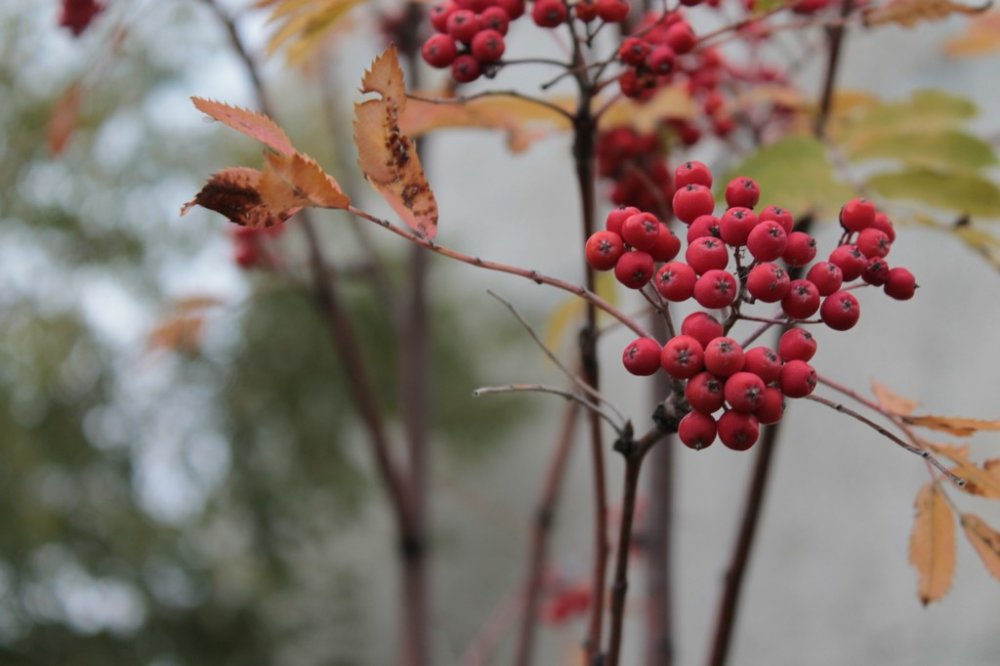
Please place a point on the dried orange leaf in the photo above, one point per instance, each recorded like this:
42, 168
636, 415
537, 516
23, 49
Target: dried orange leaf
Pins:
959, 426
64, 118
978, 480
182, 333
985, 540
386, 155
908, 13
295, 181
235, 193
893, 402
932, 544
980, 38
956, 453
255, 125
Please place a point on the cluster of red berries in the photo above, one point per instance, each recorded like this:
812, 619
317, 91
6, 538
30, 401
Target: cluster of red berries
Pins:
252, 247
78, 14
636, 163
749, 385
470, 33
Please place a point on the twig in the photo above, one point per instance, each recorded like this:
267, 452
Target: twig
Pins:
544, 388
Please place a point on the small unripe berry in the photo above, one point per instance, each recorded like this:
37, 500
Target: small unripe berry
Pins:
840, 311
857, 214
440, 51
465, 69
704, 392
763, 362
667, 246
723, 357
768, 283
850, 261
900, 284
798, 379
617, 217
488, 46
736, 224
682, 357
706, 254
826, 276
797, 344
692, 173
641, 230
742, 192
738, 431
634, 269
873, 243
779, 215
801, 249
772, 406
696, 430
549, 13
801, 301
701, 326
767, 241
743, 391
704, 225
603, 250
642, 356
692, 201
715, 289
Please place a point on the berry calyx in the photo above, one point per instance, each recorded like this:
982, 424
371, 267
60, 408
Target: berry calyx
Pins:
682, 357
715, 289
801, 301
744, 391
675, 281
724, 357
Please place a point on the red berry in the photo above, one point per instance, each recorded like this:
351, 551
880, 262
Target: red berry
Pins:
514, 8
840, 311
736, 224
549, 13
873, 243
743, 391
642, 356
704, 225
857, 214
641, 230
826, 276
724, 357
245, 254
768, 282
884, 224
633, 51
767, 241
801, 249
692, 201
798, 379
586, 10
682, 357
488, 46
797, 344
668, 245
706, 253
715, 289
779, 215
704, 392
801, 301
613, 11
440, 51
772, 406
701, 326
900, 284
661, 60
693, 173
617, 217
680, 37
696, 430
465, 69
762, 362
675, 281
603, 250
742, 192
738, 431
495, 18
850, 261
463, 25
634, 269
439, 15
876, 272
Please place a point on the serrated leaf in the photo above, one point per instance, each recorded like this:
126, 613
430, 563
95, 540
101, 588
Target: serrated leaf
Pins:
891, 401
255, 125
962, 427
235, 193
386, 155
795, 173
305, 25
64, 117
981, 37
297, 181
985, 540
932, 544
955, 191
948, 148
908, 13
673, 102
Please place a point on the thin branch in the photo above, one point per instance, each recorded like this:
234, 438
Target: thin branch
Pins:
554, 390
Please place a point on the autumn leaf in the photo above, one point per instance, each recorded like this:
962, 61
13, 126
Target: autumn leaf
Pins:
304, 25
255, 125
234, 192
981, 37
957, 453
908, 13
932, 544
182, 331
982, 481
673, 102
962, 427
892, 402
985, 540
64, 118
297, 181
386, 155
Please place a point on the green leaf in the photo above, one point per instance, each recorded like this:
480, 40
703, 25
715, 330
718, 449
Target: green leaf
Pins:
957, 191
794, 173
951, 149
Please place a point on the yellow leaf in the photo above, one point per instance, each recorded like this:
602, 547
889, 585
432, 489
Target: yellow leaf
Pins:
932, 544
255, 125
235, 193
296, 180
305, 25
778, 95
673, 102
386, 155
962, 427
908, 13
985, 540
892, 402
982, 36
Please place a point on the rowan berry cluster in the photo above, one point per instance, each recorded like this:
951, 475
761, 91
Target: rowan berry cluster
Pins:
748, 385
636, 163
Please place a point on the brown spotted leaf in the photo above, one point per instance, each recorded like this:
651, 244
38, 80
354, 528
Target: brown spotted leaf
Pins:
962, 427
908, 13
64, 118
386, 155
985, 540
932, 544
255, 125
297, 181
893, 402
235, 193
